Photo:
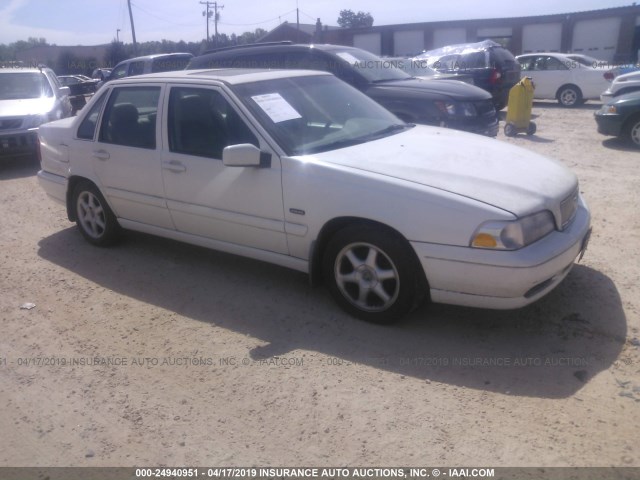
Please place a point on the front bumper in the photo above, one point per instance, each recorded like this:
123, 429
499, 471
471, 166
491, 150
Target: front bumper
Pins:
18, 142
609, 123
503, 279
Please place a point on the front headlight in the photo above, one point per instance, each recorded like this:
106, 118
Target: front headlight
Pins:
501, 235
608, 109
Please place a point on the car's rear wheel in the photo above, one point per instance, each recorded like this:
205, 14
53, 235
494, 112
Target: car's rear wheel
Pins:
372, 273
94, 218
569, 96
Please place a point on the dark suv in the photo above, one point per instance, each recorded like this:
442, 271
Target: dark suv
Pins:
493, 67
447, 103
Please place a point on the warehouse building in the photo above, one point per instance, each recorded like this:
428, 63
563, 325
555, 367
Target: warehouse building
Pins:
611, 34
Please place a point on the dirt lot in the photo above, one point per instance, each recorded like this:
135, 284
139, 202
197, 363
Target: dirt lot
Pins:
157, 353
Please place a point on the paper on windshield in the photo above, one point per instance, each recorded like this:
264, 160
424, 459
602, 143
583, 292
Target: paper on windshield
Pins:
278, 109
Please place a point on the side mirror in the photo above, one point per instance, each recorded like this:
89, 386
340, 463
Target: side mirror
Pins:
245, 155
64, 91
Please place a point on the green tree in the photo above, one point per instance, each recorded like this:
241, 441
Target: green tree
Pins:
68, 63
349, 19
116, 52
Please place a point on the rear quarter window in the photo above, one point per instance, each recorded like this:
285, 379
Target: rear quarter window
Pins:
501, 55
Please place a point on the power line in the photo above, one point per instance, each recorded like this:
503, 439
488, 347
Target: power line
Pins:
257, 23
147, 12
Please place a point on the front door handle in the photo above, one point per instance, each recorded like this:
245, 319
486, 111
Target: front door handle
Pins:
101, 154
174, 166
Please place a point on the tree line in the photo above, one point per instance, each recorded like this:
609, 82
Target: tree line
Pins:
69, 63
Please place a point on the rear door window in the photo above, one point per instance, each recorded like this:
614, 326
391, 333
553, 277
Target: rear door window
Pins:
130, 117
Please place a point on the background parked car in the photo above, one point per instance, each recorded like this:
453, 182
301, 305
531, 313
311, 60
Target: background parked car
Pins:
161, 62
29, 97
621, 118
611, 70
557, 76
445, 103
79, 89
419, 68
493, 67
101, 73
621, 85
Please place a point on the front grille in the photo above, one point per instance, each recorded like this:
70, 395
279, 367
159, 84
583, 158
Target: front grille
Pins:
568, 209
485, 107
11, 123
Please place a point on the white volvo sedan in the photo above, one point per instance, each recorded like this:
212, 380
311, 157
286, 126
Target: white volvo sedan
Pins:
299, 169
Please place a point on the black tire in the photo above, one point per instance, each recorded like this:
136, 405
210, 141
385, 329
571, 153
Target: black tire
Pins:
359, 288
569, 96
531, 129
510, 130
94, 217
632, 131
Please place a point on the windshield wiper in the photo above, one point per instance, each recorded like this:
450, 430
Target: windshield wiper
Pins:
396, 127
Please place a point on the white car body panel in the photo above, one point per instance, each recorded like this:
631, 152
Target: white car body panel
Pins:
622, 83
434, 186
590, 80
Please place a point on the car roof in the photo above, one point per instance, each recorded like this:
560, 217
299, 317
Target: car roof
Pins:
24, 70
326, 47
230, 76
157, 55
551, 54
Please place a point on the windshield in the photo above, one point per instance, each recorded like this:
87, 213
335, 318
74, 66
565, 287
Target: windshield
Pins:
316, 113
14, 86
370, 66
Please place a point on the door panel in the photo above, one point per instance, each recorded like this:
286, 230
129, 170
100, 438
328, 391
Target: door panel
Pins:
240, 205
548, 74
125, 157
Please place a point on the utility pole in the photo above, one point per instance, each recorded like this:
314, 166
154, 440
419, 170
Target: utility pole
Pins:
207, 15
297, 23
118, 36
133, 29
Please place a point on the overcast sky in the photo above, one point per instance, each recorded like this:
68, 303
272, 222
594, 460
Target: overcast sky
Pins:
92, 22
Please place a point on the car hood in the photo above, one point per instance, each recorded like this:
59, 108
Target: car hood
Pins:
22, 107
490, 171
454, 89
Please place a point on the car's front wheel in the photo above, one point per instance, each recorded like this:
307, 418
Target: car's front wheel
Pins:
372, 273
632, 129
569, 96
94, 218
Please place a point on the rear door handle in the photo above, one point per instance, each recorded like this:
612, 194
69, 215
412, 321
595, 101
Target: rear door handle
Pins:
101, 155
174, 166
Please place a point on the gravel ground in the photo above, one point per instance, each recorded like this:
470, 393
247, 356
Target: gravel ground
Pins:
157, 353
